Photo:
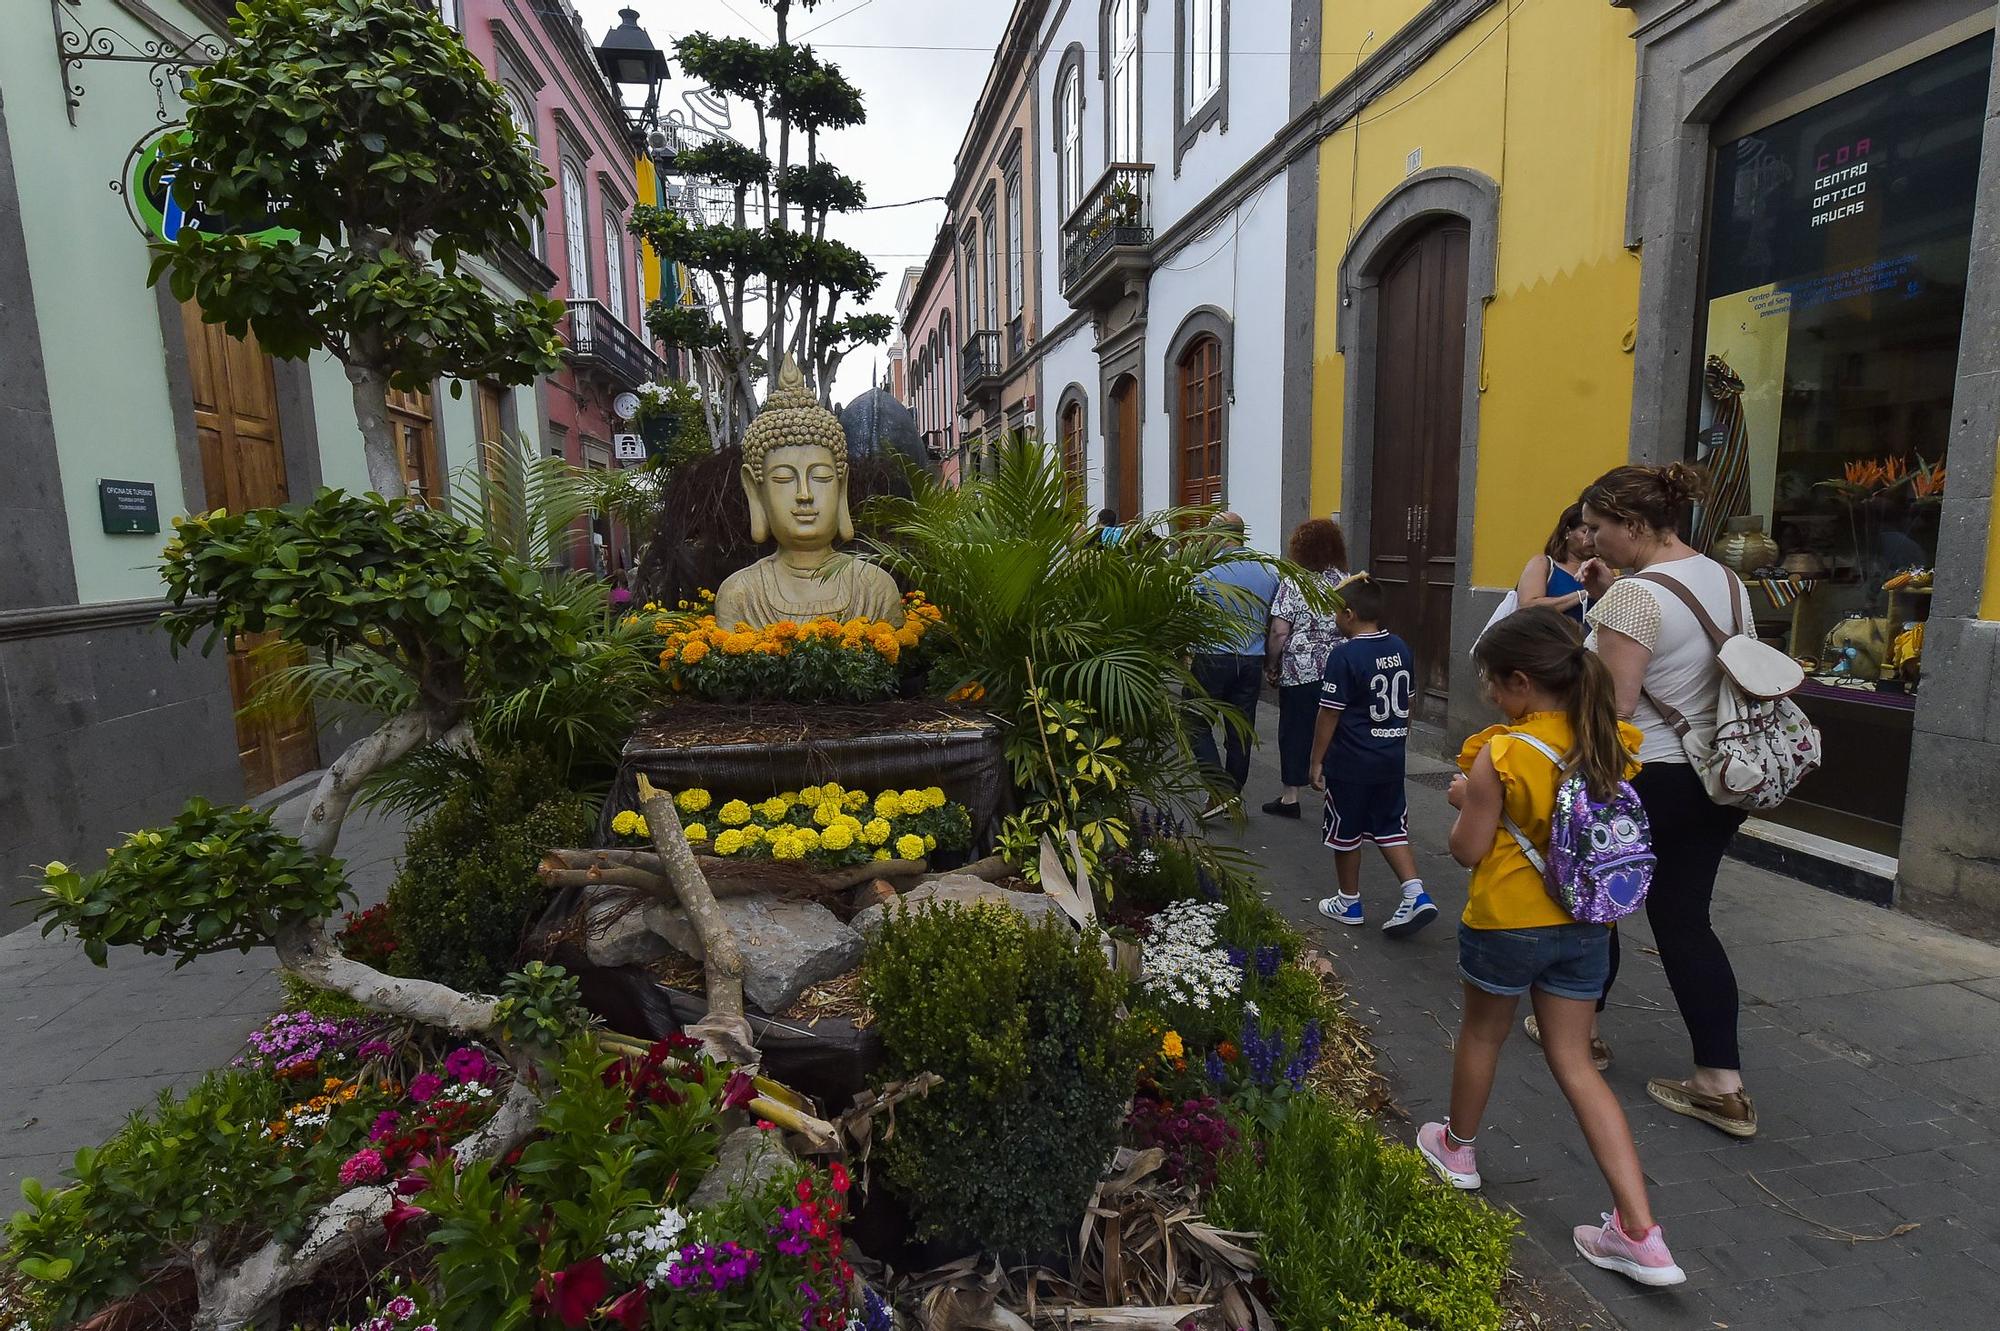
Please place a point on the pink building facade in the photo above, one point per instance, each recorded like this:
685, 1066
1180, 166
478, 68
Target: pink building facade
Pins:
543, 60
928, 305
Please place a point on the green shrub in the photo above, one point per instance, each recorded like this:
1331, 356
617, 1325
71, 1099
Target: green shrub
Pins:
1356, 1231
213, 879
1022, 1024
467, 888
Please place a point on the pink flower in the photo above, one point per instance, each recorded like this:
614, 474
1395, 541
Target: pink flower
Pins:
402, 1308
362, 1167
629, 1309
738, 1091
424, 1086
467, 1064
385, 1125
400, 1214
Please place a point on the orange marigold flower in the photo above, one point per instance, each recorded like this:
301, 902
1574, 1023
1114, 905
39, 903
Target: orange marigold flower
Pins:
694, 652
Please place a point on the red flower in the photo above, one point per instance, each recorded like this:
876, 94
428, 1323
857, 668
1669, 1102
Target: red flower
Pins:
400, 1213
840, 1180
579, 1289
766, 1125
629, 1311
738, 1091
804, 1190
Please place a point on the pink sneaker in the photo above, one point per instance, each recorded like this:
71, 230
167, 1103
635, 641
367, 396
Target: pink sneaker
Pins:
1644, 1259
1456, 1165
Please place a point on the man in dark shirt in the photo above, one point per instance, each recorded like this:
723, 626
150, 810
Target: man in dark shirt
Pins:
1358, 756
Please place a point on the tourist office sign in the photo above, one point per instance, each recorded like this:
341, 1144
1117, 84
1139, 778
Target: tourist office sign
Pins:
162, 212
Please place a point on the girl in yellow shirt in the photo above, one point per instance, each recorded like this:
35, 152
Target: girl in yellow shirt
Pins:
1515, 939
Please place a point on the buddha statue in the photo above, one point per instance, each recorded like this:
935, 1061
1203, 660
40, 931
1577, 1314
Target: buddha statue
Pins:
795, 477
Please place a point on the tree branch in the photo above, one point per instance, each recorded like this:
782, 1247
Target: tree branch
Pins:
723, 1030
342, 782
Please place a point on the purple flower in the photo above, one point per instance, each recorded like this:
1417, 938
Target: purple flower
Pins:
467, 1065
1268, 957
402, 1307
424, 1086
385, 1125
1213, 1066
1237, 958
372, 1049
1260, 1053
876, 1315
1301, 1067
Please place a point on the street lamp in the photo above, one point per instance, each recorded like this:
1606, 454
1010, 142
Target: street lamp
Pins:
629, 59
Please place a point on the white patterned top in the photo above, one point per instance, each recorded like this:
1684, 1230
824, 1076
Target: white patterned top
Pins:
1313, 634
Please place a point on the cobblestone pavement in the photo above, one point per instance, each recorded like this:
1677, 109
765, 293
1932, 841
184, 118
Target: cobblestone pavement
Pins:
1871, 1044
81, 1048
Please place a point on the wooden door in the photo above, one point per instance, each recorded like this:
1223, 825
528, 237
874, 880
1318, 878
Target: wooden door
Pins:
416, 442
1201, 407
1419, 403
491, 431
1125, 417
243, 467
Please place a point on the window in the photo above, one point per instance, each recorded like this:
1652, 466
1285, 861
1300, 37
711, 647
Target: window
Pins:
989, 308
1016, 265
1122, 46
524, 121
614, 266
1201, 53
970, 301
1200, 420
1069, 140
944, 364
1075, 455
575, 229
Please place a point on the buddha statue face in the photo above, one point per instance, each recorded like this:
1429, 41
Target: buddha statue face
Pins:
795, 470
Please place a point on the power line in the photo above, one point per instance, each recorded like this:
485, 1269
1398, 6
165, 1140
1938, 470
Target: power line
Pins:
836, 18
906, 203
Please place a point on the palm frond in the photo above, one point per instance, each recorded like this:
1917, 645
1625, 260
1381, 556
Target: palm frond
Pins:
526, 504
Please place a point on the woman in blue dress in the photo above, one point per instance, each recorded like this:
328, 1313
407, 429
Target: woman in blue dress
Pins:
1552, 577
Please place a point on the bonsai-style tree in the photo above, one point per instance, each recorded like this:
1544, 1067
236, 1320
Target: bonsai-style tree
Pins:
366, 127
768, 256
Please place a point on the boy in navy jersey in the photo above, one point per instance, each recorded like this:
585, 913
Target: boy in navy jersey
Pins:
1357, 757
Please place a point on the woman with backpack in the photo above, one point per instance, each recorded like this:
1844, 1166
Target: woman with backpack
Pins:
1544, 808
1663, 664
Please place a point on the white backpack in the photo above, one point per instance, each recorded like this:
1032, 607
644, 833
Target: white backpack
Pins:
1763, 744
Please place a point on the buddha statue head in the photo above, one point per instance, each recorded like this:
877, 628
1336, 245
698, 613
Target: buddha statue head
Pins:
795, 470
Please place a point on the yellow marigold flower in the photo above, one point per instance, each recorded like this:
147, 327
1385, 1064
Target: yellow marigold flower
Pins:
734, 814
753, 835
775, 807
889, 804
787, 848
809, 797
837, 838
826, 814
1171, 1047
693, 801
807, 837
856, 799
882, 855
728, 842
935, 796
930, 842
694, 652
641, 828
848, 821
915, 801
876, 832
625, 822
696, 833
909, 847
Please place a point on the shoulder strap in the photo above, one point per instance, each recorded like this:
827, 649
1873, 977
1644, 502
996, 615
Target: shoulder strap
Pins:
1507, 820
1696, 608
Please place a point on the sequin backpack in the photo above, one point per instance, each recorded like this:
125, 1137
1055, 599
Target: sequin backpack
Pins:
1600, 861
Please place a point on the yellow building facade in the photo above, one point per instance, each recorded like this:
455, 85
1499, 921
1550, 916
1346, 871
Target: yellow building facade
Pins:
1554, 236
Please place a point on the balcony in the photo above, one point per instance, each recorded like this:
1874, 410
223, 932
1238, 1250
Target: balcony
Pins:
979, 364
1108, 240
601, 344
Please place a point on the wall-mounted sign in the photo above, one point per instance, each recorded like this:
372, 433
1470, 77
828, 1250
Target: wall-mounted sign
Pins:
162, 213
628, 448
130, 508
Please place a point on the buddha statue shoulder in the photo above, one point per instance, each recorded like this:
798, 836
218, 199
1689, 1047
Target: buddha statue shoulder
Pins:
795, 476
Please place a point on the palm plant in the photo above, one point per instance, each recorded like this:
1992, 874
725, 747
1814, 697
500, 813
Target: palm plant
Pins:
1032, 598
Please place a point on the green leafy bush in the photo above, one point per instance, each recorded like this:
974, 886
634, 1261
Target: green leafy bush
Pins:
1023, 1026
212, 880
467, 888
1069, 777
1356, 1231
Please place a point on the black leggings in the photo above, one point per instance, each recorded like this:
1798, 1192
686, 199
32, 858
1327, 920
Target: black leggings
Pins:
1690, 834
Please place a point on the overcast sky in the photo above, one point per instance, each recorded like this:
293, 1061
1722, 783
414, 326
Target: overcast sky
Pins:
918, 63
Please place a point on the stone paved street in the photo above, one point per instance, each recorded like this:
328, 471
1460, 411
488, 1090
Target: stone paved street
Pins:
1872, 1048
81, 1048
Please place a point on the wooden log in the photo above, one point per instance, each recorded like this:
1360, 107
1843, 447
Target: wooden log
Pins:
723, 1029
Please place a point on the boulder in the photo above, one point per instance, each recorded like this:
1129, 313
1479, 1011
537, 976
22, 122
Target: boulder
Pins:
787, 946
961, 890
618, 931
748, 1160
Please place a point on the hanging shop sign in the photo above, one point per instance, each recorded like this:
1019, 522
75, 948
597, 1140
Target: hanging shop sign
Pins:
162, 212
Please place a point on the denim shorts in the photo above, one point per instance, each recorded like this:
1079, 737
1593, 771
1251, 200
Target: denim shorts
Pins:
1565, 960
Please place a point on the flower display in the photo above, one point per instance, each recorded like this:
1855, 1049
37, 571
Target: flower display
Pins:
1182, 962
825, 825
297, 1044
820, 660
647, 1251
1193, 1134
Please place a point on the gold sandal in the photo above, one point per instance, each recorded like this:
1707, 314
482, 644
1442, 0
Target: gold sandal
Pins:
1600, 1052
1733, 1113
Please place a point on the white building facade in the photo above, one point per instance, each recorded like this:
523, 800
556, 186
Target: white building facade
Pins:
1169, 369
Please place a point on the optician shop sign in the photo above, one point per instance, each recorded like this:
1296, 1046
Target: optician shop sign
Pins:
162, 212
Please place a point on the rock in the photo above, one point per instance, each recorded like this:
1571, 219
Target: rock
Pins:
876, 892
621, 932
747, 1162
962, 890
787, 946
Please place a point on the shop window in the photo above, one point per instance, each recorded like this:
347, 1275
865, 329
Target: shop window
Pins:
1837, 248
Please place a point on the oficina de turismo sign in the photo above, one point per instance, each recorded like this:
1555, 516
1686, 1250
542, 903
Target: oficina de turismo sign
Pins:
162, 212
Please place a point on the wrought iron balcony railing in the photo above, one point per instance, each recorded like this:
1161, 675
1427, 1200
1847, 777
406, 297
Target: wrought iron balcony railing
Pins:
599, 341
979, 363
1114, 219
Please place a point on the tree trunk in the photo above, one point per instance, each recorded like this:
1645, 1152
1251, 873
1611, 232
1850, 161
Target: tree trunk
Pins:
723, 1030
342, 782
378, 439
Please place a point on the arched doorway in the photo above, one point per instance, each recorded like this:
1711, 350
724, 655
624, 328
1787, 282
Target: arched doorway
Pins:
1123, 420
1419, 401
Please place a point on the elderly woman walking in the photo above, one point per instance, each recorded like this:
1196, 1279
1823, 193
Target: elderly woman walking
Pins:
1295, 654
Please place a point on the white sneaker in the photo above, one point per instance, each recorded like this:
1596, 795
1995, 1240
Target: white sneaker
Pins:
1345, 909
1412, 913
